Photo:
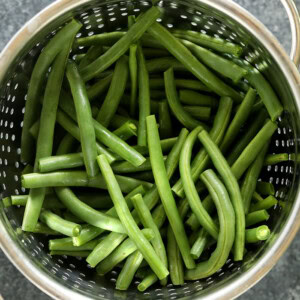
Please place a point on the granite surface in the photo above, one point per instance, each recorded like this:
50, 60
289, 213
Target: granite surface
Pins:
282, 283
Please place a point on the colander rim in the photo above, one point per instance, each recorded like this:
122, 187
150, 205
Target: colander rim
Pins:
238, 285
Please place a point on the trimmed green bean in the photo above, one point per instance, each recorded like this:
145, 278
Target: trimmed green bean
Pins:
42, 228
144, 97
122, 45
162, 64
164, 189
249, 183
189, 187
58, 224
126, 131
246, 137
99, 88
120, 253
217, 63
274, 159
257, 197
231, 184
165, 123
267, 203
239, 119
93, 53
47, 56
133, 69
202, 159
84, 119
115, 92
127, 220
147, 281
258, 234
210, 42
265, 188
45, 139
178, 50
252, 149
226, 237
190, 97
256, 217
66, 244
183, 117
200, 243
78, 178
198, 112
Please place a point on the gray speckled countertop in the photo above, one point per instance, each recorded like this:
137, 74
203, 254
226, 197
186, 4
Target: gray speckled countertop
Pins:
283, 282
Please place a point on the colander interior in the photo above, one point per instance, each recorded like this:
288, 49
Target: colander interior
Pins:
108, 16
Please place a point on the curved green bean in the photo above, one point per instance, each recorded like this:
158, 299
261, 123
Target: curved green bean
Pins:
233, 188
164, 189
226, 237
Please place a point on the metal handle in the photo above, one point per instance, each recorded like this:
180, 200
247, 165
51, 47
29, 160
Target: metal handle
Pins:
294, 20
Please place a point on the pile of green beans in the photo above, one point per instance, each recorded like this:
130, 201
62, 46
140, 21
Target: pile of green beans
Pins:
149, 147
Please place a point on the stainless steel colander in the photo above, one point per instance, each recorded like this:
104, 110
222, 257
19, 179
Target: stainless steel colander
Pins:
70, 278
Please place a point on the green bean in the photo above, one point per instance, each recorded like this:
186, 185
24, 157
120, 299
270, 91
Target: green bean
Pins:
47, 56
263, 88
249, 183
104, 39
147, 281
70, 253
200, 243
239, 119
93, 53
178, 50
77, 178
233, 188
58, 224
274, 159
198, 112
87, 213
162, 64
146, 175
120, 253
115, 92
154, 53
122, 45
34, 129
252, 149
180, 83
45, 139
144, 97
164, 189
201, 160
210, 42
257, 217
189, 187
183, 117
247, 136
98, 88
265, 188
127, 220
165, 123
66, 244
217, 63
105, 248
79, 57
70, 217
50, 201
148, 222
66, 122
258, 234
267, 203
42, 228
65, 145
133, 69
126, 131
90, 232
226, 237
28, 169
84, 119
190, 97
257, 197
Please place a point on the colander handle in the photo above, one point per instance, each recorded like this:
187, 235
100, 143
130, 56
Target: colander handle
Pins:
294, 20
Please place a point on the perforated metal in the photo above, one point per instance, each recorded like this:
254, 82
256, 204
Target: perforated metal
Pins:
104, 17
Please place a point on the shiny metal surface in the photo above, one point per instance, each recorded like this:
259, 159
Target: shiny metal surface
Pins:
64, 278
